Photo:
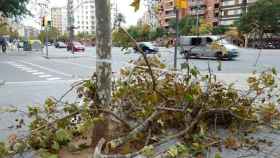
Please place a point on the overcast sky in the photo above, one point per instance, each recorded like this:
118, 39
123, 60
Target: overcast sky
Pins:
123, 7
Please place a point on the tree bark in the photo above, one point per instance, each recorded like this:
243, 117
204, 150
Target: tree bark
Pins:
103, 51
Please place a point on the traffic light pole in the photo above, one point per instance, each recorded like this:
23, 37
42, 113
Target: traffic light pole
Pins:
177, 38
47, 43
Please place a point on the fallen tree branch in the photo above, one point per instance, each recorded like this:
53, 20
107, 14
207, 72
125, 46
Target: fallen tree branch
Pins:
115, 116
119, 141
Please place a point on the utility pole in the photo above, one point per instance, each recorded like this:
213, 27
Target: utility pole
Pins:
197, 18
180, 4
47, 41
177, 38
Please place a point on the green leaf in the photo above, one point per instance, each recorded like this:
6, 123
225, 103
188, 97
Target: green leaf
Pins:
173, 152
55, 146
3, 150
45, 154
274, 71
189, 97
148, 151
62, 136
218, 155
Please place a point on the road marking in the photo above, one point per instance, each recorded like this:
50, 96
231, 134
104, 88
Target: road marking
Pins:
32, 71
53, 79
38, 73
45, 76
40, 83
46, 68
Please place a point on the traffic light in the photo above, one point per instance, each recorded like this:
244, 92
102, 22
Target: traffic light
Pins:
49, 23
181, 4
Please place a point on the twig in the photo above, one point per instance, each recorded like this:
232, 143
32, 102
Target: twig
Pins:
121, 140
74, 85
148, 137
170, 109
150, 70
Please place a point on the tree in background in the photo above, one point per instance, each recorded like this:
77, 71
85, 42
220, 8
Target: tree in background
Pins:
187, 26
120, 39
53, 35
262, 17
119, 19
13, 8
63, 37
219, 30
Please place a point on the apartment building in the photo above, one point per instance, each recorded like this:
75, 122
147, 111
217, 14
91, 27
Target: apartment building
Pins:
231, 10
208, 9
59, 18
81, 15
166, 12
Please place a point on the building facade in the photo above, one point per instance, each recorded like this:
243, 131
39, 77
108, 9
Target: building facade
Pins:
166, 12
59, 19
207, 9
81, 16
215, 12
231, 10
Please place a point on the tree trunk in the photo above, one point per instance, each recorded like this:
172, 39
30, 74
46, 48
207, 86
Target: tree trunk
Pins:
103, 50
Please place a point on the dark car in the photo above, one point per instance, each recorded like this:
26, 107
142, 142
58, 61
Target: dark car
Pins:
75, 47
147, 47
60, 45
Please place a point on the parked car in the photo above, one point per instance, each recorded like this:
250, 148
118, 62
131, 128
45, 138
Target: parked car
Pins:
75, 46
208, 46
60, 45
147, 47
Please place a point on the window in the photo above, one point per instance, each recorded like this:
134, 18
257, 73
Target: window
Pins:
196, 41
208, 40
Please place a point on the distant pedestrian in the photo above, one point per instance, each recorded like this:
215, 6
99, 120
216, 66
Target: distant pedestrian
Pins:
3, 44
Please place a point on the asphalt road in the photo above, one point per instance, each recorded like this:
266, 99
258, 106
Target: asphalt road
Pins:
27, 78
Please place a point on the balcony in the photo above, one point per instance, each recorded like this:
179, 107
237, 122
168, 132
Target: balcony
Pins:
199, 12
170, 16
196, 3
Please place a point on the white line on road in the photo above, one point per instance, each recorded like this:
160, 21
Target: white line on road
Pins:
38, 73
39, 83
53, 79
46, 68
32, 71
45, 76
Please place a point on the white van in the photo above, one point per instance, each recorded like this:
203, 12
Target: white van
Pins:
208, 46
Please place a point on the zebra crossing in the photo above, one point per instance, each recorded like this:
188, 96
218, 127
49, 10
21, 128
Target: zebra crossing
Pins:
35, 71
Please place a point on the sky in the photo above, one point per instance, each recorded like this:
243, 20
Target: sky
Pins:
123, 7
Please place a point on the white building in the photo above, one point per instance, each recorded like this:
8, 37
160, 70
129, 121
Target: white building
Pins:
59, 18
83, 15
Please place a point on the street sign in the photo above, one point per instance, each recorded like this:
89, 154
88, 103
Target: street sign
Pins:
181, 4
